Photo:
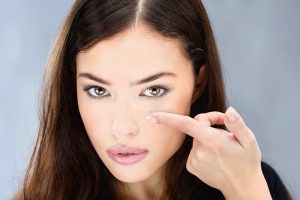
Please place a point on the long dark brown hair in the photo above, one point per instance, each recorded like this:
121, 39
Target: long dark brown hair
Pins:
64, 164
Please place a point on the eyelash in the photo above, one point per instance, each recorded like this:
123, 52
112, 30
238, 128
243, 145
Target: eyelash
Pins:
87, 88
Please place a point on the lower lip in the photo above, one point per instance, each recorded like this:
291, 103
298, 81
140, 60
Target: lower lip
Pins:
130, 159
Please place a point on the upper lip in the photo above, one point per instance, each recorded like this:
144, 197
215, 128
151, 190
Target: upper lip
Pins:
126, 150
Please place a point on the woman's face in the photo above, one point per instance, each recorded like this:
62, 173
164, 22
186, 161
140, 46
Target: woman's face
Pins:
113, 112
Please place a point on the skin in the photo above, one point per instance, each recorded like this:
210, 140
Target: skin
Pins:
227, 160
117, 116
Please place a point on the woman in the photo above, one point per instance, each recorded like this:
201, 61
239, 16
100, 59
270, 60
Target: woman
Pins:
97, 139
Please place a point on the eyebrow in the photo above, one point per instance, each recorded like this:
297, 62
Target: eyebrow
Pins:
139, 82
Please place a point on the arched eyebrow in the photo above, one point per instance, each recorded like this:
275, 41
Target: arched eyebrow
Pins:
139, 82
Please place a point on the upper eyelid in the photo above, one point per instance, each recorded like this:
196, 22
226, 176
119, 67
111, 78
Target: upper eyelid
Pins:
92, 82
153, 85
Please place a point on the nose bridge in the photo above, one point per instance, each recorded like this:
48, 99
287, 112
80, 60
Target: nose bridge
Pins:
123, 119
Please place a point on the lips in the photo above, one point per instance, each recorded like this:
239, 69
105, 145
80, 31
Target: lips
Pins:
127, 155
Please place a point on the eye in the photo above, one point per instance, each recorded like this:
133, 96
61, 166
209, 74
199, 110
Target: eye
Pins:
157, 91
94, 91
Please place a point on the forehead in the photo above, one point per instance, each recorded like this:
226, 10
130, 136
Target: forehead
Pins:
137, 49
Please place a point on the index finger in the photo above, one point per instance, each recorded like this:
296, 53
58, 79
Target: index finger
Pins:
183, 123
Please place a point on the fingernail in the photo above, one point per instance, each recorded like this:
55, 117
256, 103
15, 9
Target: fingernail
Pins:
151, 119
232, 114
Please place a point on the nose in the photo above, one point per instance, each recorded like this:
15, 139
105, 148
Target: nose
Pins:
123, 123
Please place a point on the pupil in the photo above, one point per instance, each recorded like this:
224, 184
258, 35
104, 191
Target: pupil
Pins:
98, 91
156, 91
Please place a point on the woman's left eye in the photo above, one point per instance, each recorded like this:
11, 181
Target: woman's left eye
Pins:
158, 91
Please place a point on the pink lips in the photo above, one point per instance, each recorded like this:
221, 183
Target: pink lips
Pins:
127, 155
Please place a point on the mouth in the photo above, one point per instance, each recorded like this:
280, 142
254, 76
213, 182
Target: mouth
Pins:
127, 155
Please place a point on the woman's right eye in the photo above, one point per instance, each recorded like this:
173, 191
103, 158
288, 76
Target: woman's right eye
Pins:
94, 91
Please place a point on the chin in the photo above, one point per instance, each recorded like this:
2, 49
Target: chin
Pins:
131, 173
130, 176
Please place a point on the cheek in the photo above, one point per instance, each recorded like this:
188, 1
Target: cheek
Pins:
164, 143
90, 115
91, 119
182, 102
169, 139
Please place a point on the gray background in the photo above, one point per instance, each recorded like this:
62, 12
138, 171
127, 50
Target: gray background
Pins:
259, 46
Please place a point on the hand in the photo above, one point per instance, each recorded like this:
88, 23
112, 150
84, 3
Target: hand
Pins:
227, 160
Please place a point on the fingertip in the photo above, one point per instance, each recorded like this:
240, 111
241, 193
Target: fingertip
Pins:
232, 114
155, 117
156, 114
235, 123
151, 118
